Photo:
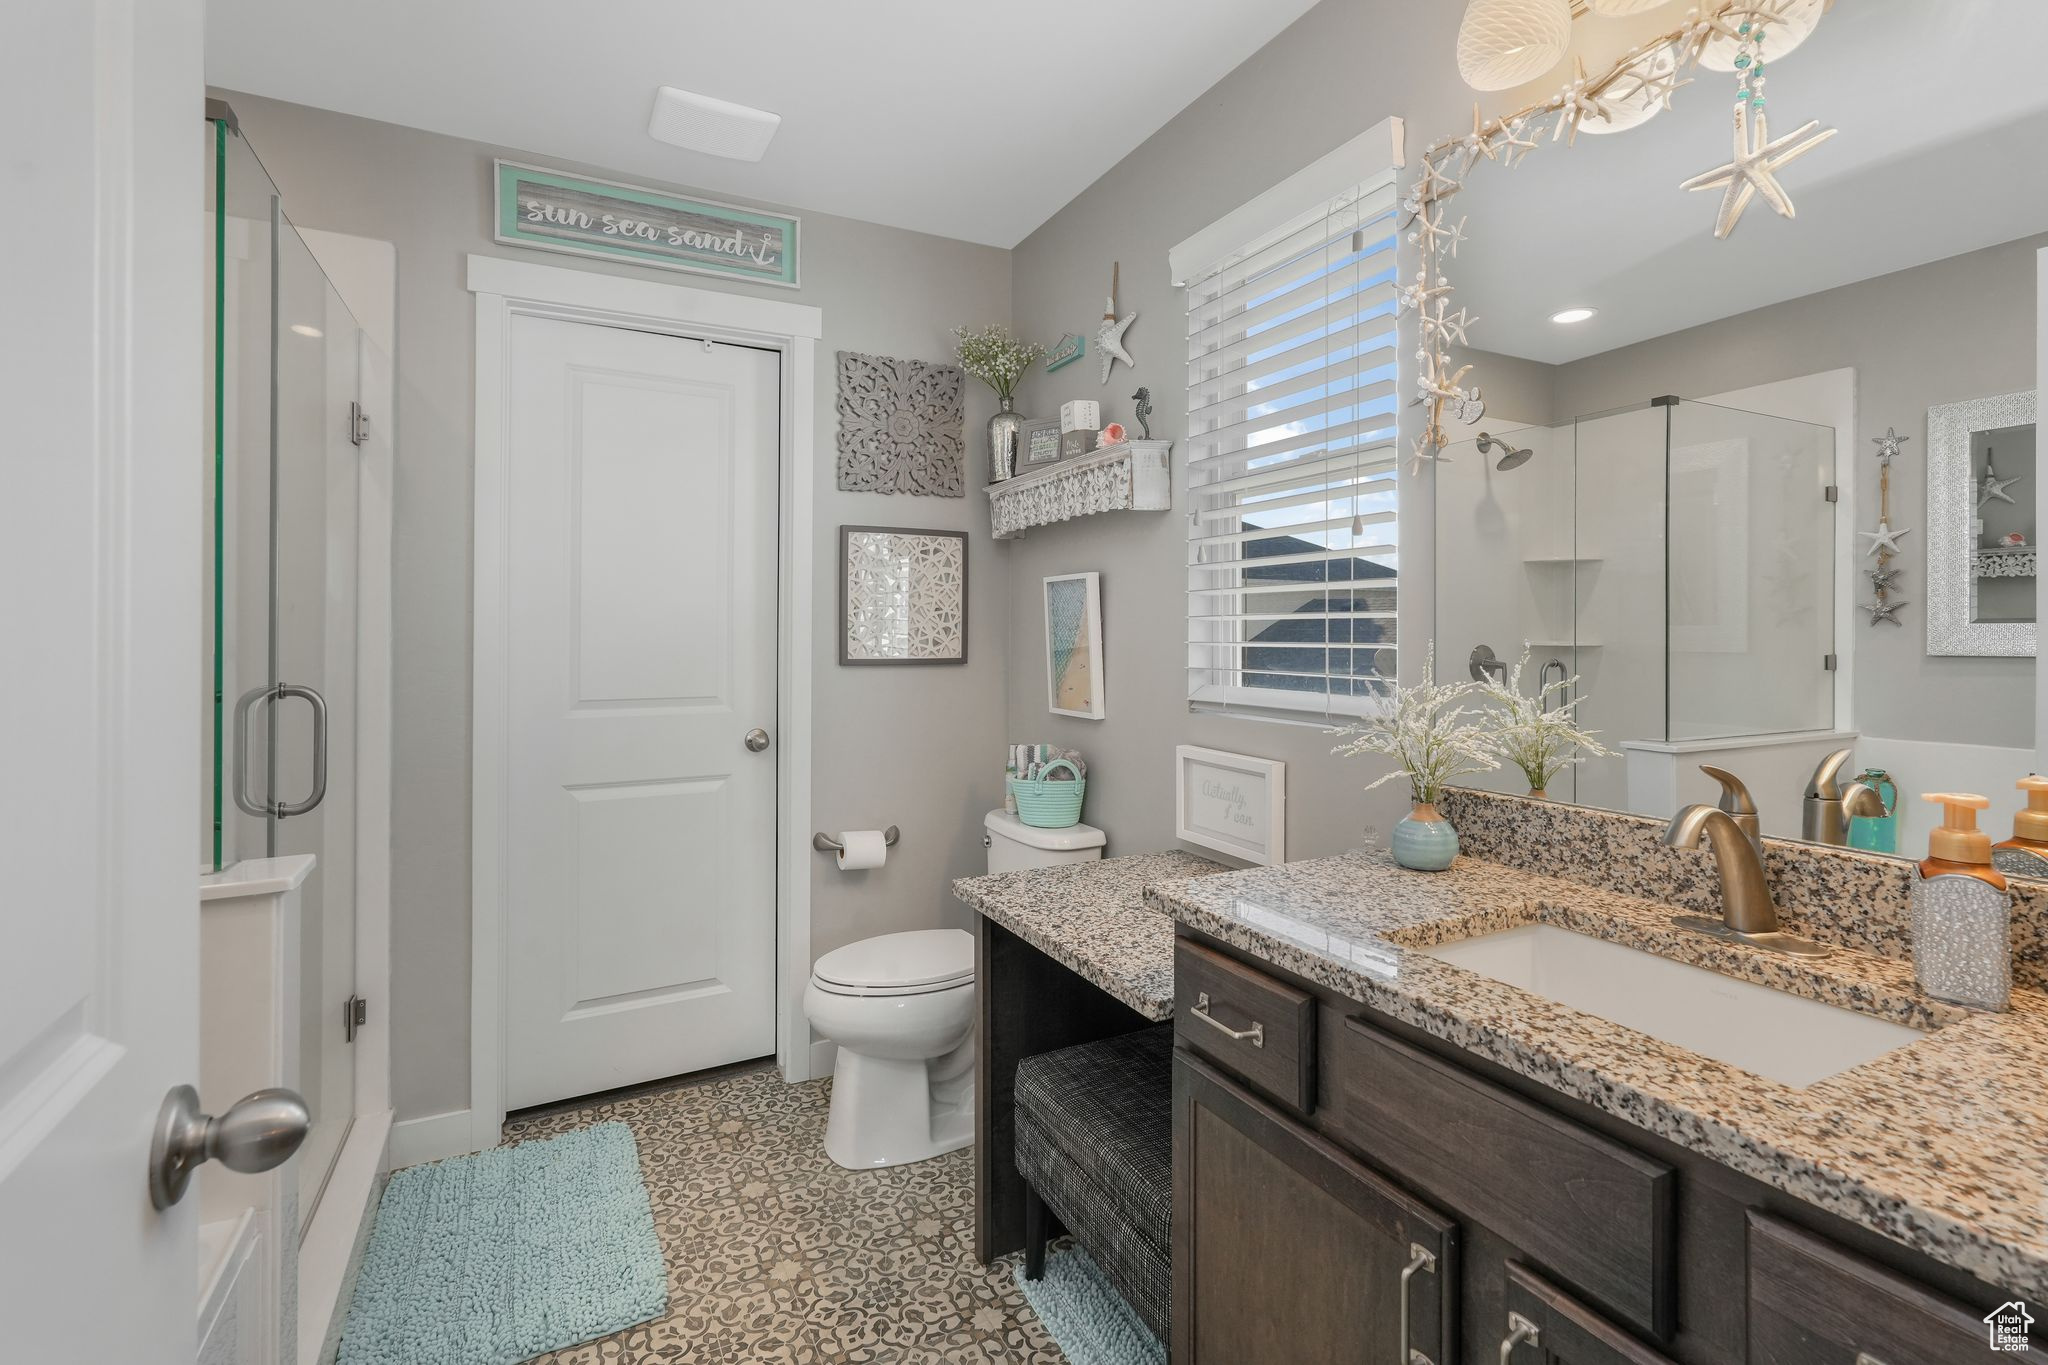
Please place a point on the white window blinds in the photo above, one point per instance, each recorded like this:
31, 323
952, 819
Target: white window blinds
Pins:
1293, 393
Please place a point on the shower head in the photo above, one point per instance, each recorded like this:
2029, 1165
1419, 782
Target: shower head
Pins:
1511, 458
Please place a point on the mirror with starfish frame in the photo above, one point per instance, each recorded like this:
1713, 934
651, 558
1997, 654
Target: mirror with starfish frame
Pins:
1663, 308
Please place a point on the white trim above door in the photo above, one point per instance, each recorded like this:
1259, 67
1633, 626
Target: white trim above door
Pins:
505, 288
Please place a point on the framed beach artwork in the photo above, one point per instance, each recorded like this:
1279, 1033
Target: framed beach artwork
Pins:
1073, 645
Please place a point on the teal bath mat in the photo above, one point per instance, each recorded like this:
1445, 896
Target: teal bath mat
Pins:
1088, 1320
496, 1257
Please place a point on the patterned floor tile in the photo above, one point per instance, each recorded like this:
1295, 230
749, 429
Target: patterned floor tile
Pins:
778, 1257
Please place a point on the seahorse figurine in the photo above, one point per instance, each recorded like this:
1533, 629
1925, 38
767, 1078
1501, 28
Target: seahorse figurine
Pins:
1143, 397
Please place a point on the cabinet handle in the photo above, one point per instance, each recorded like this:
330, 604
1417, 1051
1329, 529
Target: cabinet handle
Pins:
1419, 1258
1520, 1330
1257, 1032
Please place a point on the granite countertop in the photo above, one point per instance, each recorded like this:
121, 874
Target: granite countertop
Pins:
1093, 918
1941, 1145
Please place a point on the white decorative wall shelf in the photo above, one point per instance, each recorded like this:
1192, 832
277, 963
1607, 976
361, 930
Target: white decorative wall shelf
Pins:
1132, 477
2004, 563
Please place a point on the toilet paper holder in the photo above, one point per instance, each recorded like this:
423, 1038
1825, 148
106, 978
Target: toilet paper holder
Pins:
825, 843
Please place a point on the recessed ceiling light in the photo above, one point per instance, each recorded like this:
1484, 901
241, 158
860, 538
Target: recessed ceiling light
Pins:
700, 123
307, 329
1572, 315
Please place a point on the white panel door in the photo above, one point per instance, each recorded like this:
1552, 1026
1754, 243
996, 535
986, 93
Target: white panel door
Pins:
99, 696
640, 868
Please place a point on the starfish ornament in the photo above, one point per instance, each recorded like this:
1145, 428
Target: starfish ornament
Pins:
1994, 487
1449, 326
1885, 613
1425, 452
1581, 101
1884, 580
1433, 383
1418, 294
1513, 146
1754, 171
1884, 540
1478, 143
1888, 444
1109, 342
1656, 81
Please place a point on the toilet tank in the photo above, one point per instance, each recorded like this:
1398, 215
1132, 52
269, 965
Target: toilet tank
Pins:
1012, 844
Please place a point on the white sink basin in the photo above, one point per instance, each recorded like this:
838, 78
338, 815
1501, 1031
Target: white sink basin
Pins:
1786, 1038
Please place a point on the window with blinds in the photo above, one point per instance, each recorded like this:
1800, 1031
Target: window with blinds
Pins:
1294, 522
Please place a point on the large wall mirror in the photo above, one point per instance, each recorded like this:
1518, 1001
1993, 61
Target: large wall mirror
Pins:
1672, 497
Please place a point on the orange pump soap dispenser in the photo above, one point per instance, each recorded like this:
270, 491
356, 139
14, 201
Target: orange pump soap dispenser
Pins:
2026, 853
1962, 914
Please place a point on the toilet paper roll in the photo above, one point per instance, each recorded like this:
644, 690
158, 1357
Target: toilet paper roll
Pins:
864, 848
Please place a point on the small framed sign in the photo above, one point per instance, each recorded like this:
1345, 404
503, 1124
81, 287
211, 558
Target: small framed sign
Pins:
555, 212
1040, 441
1232, 803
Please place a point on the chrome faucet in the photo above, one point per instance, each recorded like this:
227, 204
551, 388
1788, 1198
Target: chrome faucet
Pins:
1748, 913
1830, 806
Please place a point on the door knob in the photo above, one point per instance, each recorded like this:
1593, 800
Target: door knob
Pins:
260, 1132
757, 739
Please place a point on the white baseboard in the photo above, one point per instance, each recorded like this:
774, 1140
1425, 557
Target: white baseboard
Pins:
824, 1054
327, 1252
431, 1138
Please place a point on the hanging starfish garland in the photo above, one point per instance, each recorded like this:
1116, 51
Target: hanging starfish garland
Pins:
1754, 171
1645, 78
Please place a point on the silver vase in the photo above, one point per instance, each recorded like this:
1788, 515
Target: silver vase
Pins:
1002, 442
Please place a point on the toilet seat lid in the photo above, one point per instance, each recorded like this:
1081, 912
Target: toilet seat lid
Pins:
931, 959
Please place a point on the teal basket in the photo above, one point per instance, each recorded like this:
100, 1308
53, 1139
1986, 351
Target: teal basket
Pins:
1050, 805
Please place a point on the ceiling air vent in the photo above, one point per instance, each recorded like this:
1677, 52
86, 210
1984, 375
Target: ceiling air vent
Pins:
717, 127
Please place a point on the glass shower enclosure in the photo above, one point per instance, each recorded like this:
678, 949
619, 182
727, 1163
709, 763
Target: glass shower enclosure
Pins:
1676, 560
282, 423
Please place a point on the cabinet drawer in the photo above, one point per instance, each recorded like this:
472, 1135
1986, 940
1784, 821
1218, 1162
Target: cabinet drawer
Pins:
1812, 1303
1554, 1327
1587, 1209
1255, 1026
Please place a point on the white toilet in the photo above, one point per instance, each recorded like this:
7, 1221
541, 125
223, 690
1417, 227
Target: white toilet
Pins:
901, 1009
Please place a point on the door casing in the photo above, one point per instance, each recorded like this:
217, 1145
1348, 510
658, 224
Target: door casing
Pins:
505, 288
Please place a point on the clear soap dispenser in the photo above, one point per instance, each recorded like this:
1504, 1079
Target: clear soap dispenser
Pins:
2026, 853
1962, 915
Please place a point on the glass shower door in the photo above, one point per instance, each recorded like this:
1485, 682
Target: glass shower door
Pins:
1751, 574
281, 604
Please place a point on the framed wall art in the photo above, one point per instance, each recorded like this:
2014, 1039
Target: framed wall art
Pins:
1232, 803
1073, 645
902, 596
1039, 442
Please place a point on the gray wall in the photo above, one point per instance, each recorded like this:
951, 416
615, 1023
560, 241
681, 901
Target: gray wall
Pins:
919, 747
1939, 333
1340, 69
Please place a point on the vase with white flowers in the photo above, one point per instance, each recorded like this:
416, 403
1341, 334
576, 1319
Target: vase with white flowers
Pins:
999, 360
1539, 732
1433, 735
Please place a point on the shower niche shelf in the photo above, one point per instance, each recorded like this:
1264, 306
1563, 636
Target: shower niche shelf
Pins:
1132, 477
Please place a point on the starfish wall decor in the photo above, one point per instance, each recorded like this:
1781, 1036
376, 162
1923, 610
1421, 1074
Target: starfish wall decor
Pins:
1754, 170
1109, 338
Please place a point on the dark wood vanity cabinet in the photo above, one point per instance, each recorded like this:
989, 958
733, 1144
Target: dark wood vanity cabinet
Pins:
1287, 1251
1361, 1168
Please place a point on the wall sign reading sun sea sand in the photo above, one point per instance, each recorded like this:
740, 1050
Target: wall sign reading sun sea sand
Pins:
555, 212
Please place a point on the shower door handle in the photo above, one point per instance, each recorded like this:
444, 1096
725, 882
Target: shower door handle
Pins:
245, 711
311, 696
255, 702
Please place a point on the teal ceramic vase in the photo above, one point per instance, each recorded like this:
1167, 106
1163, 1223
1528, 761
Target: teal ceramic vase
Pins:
1424, 840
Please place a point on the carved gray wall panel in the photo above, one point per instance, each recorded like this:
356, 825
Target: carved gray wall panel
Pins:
900, 426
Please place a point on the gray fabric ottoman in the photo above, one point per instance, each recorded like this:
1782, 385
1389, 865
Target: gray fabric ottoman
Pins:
1095, 1144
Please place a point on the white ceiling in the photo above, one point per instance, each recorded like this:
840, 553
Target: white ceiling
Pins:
1943, 119
967, 119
